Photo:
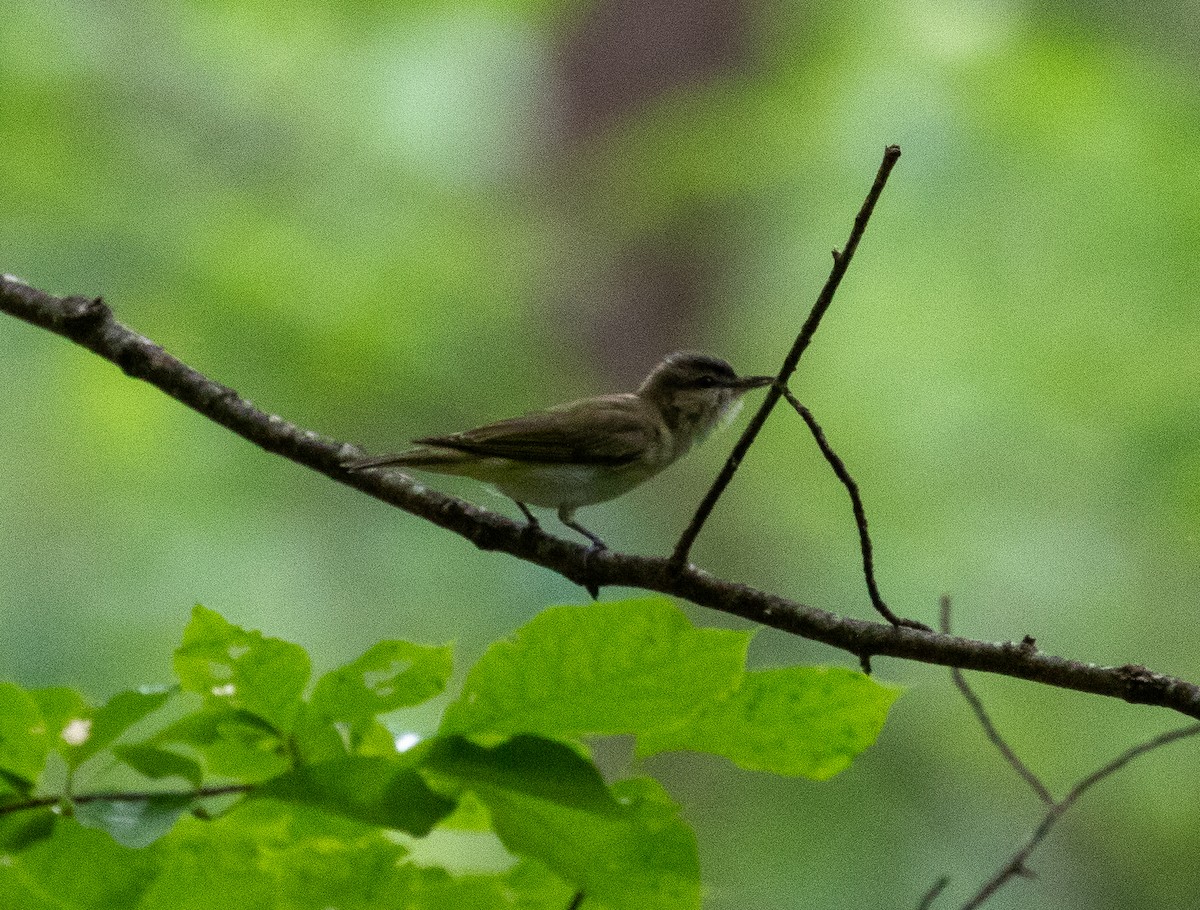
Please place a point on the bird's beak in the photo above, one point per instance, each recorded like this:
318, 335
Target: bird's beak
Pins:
745, 383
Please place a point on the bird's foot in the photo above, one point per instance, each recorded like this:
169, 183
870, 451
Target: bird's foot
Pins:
566, 516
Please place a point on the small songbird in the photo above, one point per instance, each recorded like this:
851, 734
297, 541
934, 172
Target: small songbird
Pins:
591, 450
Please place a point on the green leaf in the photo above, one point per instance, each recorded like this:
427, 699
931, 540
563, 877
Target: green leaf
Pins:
388, 676
469, 815
642, 857
529, 765
379, 791
232, 743
608, 668
133, 823
156, 763
413, 887
108, 723
640, 667
377, 739
20, 829
24, 739
78, 731
284, 856
807, 721
346, 701
13, 788
537, 888
68, 716
242, 669
75, 869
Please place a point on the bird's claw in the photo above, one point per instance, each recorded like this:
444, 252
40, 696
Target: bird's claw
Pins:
592, 587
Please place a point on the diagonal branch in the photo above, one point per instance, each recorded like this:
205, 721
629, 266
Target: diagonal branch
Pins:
90, 323
841, 261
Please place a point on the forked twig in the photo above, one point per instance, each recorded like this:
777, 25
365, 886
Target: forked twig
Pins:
1016, 866
841, 261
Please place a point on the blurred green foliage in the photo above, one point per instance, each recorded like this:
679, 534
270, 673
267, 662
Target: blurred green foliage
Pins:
369, 218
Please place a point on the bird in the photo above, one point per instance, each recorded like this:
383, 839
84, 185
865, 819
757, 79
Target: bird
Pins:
592, 450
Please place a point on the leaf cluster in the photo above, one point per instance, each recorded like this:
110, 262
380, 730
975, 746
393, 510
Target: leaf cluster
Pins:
244, 785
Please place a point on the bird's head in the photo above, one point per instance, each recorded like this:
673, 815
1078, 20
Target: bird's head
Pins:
696, 392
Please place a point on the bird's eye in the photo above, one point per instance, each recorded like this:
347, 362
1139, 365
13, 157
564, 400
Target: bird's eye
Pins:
705, 382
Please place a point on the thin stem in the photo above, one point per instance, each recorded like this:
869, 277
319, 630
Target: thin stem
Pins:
134, 796
841, 261
860, 513
1016, 865
932, 894
998, 741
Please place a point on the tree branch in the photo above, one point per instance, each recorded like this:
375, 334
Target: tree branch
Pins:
841, 261
90, 323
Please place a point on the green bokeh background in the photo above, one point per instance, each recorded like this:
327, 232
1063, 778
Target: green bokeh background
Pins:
383, 220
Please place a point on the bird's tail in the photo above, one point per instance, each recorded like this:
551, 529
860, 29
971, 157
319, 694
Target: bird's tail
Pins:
419, 457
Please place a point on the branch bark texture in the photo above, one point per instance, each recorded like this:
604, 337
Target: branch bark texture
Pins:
90, 323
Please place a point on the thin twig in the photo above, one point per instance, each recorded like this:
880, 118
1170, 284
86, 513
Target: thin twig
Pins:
989, 728
1015, 866
860, 513
126, 796
841, 261
90, 323
932, 894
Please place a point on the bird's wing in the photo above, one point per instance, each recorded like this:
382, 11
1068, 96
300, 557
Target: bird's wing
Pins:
612, 431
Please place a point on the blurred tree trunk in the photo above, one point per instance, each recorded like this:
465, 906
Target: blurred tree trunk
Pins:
652, 290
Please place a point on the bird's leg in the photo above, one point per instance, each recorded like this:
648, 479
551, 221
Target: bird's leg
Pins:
566, 516
529, 516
